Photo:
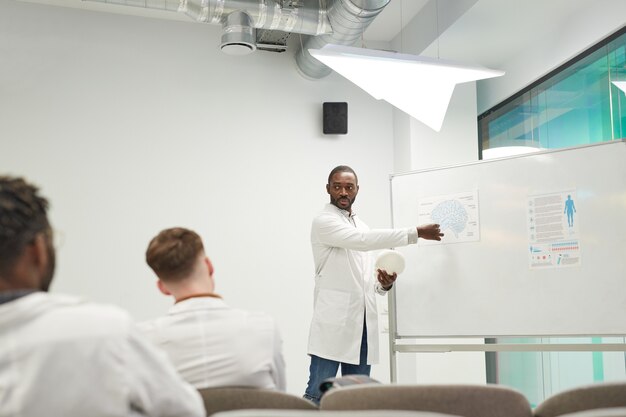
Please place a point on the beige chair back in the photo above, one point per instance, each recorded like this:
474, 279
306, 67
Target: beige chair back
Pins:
599, 412
461, 400
238, 398
320, 413
588, 397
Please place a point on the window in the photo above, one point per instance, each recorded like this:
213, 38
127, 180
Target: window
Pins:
576, 104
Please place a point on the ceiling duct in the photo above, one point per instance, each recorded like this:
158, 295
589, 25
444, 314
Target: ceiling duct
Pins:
238, 36
348, 19
307, 17
299, 16
339, 22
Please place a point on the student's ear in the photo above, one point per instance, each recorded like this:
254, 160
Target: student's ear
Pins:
163, 288
209, 265
40, 252
328, 188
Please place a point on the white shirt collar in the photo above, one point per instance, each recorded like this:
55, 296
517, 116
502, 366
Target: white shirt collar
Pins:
197, 303
345, 213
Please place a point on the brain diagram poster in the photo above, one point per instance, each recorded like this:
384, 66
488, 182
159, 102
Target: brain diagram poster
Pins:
457, 214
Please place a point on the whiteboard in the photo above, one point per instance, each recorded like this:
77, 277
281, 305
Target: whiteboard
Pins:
520, 276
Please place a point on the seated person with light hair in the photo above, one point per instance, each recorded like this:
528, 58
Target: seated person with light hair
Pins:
61, 355
209, 343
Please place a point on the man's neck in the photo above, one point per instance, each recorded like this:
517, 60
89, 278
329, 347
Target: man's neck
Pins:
198, 295
349, 209
13, 294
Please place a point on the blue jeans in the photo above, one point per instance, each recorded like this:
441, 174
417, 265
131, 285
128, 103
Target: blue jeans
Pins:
322, 369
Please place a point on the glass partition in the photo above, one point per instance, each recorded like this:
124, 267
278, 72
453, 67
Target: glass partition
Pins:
576, 104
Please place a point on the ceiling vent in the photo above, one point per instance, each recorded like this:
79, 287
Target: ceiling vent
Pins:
238, 35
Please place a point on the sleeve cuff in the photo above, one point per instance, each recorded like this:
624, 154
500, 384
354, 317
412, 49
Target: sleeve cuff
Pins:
380, 290
412, 232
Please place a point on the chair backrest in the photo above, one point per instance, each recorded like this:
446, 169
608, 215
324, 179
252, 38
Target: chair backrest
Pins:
599, 412
320, 413
588, 397
462, 400
238, 398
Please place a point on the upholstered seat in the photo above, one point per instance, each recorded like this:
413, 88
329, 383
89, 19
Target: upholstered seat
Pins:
311, 413
462, 400
588, 397
599, 412
237, 398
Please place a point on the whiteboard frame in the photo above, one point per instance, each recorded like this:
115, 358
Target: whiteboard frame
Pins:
395, 340
397, 346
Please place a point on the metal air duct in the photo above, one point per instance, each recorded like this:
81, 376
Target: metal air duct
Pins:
238, 37
322, 21
348, 19
299, 16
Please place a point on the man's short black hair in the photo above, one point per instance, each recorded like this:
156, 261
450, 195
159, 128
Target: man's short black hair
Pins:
342, 168
22, 216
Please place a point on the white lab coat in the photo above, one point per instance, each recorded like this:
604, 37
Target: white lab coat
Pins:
60, 356
214, 345
345, 283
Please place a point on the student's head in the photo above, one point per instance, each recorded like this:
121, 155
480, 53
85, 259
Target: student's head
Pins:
177, 257
173, 253
27, 256
343, 187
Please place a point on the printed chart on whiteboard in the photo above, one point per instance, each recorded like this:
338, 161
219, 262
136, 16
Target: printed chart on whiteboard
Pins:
457, 214
554, 239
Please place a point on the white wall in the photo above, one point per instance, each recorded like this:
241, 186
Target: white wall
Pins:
131, 125
457, 141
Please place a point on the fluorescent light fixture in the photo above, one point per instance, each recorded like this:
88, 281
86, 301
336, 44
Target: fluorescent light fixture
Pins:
419, 86
621, 85
505, 151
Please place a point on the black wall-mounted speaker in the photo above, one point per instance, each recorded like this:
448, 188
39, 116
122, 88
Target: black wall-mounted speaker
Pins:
335, 118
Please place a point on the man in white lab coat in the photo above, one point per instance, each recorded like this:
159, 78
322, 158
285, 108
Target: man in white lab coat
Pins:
210, 343
344, 328
62, 356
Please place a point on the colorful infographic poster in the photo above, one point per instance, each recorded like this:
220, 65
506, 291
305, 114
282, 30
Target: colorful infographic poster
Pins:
554, 239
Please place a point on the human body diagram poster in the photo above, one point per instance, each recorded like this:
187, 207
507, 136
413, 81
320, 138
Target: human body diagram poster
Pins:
457, 214
554, 239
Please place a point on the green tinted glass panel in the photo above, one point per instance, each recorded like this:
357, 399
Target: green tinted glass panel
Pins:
577, 105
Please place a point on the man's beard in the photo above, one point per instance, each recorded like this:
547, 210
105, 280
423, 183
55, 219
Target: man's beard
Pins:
335, 202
